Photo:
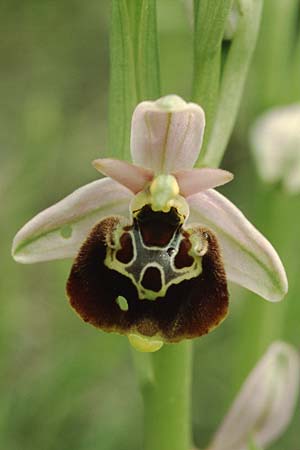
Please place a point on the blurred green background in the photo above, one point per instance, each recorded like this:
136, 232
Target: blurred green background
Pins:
64, 384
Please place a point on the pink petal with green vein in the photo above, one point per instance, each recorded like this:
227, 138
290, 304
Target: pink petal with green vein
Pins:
58, 231
249, 258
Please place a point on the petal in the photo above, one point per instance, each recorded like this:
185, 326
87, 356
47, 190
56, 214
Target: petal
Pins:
129, 175
167, 297
58, 231
265, 403
196, 180
166, 135
250, 260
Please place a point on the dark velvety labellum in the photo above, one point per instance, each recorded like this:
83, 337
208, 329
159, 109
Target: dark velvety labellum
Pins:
191, 301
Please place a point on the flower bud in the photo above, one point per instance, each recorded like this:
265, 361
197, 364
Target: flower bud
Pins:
265, 404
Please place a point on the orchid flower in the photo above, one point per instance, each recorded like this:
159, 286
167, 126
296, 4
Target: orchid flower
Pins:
154, 242
275, 144
265, 404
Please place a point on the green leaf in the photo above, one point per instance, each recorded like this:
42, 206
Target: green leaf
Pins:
145, 44
122, 87
134, 67
233, 79
209, 23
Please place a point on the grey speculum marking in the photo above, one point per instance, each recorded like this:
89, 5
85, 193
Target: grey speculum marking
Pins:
176, 257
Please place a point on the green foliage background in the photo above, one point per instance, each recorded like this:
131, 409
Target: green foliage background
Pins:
64, 384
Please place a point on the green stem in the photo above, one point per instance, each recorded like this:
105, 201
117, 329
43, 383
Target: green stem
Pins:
166, 393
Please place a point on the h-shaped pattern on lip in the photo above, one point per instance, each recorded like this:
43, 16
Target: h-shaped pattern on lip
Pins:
153, 267
189, 308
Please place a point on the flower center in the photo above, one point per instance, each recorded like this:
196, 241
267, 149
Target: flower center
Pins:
161, 195
163, 189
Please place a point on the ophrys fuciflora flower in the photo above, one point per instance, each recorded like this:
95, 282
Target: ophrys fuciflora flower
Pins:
154, 243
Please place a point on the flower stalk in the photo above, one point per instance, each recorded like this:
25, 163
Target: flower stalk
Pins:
166, 397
